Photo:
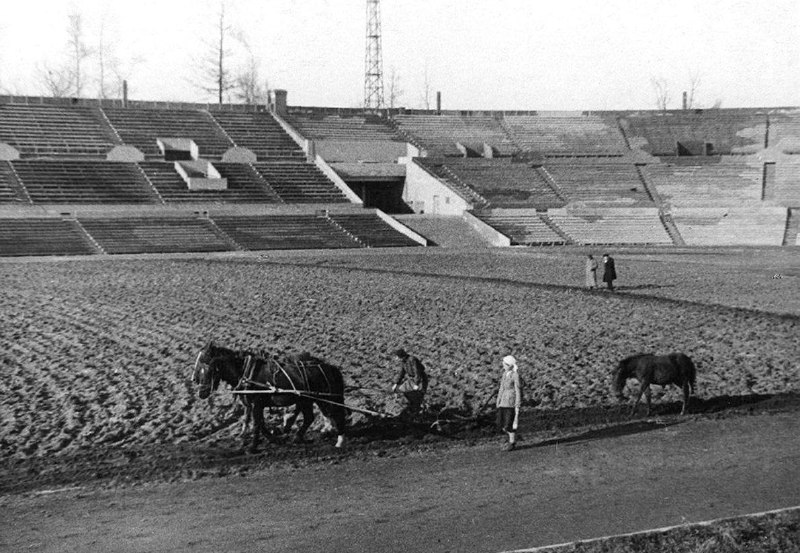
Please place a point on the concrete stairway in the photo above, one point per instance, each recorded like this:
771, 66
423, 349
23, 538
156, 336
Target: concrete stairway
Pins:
444, 231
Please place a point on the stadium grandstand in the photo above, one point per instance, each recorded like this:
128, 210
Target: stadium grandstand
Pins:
88, 177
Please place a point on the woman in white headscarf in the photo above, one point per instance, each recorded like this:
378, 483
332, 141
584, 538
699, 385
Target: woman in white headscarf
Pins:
509, 398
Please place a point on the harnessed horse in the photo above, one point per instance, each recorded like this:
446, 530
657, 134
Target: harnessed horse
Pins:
662, 370
274, 381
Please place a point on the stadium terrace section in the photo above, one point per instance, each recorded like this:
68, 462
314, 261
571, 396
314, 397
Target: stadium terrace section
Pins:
161, 178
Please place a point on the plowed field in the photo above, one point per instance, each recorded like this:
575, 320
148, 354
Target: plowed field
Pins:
95, 355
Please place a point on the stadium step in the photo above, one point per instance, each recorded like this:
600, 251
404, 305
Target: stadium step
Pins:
555, 228
792, 227
88, 238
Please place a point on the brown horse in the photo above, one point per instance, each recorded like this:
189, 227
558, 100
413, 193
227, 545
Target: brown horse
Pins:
662, 370
282, 381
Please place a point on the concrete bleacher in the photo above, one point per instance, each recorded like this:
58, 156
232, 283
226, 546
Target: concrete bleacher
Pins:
634, 225
440, 134
259, 132
150, 233
734, 226
599, 182
142, 127
504, 183
244, 184
371, 230
53, 131
296, 181
727, 131
8, 192
73, 181
784, 131
785, 188
42, 236
716, 182
284, 231
566, 134
358, 128
522, 226
437, 168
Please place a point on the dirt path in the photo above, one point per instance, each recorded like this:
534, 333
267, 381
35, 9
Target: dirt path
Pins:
456, 499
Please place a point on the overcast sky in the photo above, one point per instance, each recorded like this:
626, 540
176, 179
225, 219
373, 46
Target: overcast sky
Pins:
481, 54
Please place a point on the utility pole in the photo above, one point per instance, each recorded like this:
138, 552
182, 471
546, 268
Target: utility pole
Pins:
373, 61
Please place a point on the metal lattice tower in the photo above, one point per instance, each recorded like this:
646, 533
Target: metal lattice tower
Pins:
373, 61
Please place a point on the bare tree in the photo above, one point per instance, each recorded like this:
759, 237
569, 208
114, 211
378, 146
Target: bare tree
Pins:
107, 61
661, 89
395, 92
694, 85
77, 49
67, 79
55, 82
216, 70
250, 88
426, 89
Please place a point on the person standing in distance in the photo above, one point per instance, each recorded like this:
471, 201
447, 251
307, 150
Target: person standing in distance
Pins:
609, 271
591, 272
509, 399
412, 381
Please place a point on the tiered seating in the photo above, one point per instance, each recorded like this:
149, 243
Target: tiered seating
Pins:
522, 226
299, 182
611, 226
244, 185
441, 171
599, 182
336, 127
730, 132
284, 232
42, 236
149, 234
786, 186
141, 128
712, 184
752, 226
371, 230
52, 131
259, 133
503, 183
69, 181
567, 134
438, 134
7, 192
784, 132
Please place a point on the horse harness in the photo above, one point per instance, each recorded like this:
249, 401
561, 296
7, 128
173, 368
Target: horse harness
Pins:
250, 362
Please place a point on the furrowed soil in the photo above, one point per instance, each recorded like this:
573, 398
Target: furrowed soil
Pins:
96, 358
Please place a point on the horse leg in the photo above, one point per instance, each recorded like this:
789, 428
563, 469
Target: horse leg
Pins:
642, 388
648, 396
337, 416
248, 417
686, 394
307, 409
289, 420
258, 426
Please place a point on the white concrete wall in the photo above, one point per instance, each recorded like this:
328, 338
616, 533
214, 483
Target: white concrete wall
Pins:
323, 166
424, 193
490, 234
401, 228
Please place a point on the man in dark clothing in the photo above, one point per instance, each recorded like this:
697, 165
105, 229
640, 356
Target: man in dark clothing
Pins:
411, 381
609, 272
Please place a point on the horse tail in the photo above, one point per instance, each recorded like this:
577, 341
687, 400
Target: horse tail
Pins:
688, 370
692, 373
